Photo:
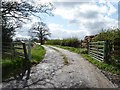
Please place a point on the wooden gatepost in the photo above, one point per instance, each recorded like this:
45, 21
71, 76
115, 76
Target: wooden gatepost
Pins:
107, 51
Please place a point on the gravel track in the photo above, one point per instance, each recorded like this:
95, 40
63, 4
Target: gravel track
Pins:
52, 73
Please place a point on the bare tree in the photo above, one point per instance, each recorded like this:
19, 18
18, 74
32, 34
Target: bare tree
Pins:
41, 31
19, 11
15, 13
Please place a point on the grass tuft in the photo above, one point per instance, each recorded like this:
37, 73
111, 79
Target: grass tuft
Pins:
65, 61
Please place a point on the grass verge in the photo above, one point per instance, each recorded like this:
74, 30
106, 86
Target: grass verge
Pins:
100, 65
38, 53
12, 67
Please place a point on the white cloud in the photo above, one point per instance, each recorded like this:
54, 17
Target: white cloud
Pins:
58, 31
88, 8
22, 35
65, 13
84, 0
112, 9
90, 17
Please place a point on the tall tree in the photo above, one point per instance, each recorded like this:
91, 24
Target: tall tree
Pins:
41, 31
14, 13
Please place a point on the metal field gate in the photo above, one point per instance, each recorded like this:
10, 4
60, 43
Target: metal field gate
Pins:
99, 50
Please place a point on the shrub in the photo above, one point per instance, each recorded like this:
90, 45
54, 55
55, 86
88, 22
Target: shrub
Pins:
112, 35
71, 42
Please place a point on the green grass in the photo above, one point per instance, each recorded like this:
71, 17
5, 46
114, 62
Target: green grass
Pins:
12, 67
37, 54
76, 50
100, 65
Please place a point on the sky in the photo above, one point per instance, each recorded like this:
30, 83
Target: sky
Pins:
77, 18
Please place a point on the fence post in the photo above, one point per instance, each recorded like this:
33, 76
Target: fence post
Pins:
26, 63
88, 44
107, 52
13, 51
29, 50
25, 51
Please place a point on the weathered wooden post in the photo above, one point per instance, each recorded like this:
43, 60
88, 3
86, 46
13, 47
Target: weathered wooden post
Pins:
29, 58
107, 52
25, 66
29, 50
25, 51
88, 47
13, 51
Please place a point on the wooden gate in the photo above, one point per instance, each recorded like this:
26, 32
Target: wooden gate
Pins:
15, 51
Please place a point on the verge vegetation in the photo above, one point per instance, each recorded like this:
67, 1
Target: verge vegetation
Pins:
12, 67
38, 53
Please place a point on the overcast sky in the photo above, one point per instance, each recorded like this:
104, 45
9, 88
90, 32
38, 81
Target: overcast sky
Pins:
77, 18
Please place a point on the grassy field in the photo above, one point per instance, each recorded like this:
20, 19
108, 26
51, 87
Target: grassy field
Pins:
12, 67
100, 65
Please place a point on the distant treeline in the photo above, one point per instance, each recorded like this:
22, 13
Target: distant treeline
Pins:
111, 35
71, 42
